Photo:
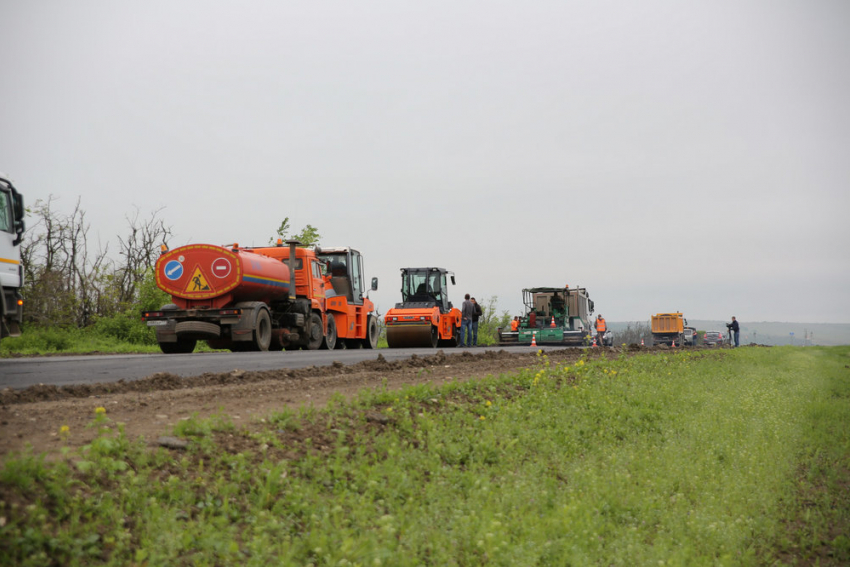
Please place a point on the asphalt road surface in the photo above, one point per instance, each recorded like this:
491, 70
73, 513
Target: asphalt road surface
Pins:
66, 370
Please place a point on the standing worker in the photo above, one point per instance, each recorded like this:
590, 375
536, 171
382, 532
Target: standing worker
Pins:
600, 330
466, 321
476, 313
734, 332
515, 324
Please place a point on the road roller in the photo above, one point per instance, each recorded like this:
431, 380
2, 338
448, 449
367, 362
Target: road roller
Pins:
425, 317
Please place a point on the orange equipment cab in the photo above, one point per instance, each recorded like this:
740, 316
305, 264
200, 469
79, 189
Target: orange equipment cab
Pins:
337, 286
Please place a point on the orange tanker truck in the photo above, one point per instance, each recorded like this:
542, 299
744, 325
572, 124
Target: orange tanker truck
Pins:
425, 317
262, 299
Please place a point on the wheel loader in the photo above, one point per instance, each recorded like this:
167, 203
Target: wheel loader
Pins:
425, 317
554, 316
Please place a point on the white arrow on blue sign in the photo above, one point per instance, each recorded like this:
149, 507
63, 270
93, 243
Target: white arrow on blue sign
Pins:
173, 270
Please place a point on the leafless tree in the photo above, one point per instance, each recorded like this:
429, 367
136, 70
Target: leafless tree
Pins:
140, 249
633, 333
68, 281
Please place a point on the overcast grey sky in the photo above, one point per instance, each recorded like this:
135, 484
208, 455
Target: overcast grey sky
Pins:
666, 155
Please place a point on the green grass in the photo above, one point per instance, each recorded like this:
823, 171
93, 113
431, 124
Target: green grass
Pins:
737, 457
53, 341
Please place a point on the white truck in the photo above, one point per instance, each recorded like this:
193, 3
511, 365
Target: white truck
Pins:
11, 269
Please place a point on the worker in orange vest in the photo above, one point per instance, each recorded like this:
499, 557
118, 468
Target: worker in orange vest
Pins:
515, 324
600, 329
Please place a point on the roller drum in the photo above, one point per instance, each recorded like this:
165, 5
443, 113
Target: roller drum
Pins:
412, 336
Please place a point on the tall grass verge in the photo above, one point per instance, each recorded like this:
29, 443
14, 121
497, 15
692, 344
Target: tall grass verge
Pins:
705, 458
36, 341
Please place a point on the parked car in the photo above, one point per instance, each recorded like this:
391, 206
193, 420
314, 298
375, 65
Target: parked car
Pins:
712, 338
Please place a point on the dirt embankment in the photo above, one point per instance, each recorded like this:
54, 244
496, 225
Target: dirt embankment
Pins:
152, 406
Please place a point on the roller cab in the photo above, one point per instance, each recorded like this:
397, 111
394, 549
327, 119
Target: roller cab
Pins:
425, 317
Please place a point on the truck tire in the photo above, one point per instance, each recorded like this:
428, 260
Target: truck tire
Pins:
315, 336
262, 331
330, 340
372, 332
180, 347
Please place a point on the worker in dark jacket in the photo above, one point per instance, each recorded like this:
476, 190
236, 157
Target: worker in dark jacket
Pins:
476, 313
734, 332
466, 321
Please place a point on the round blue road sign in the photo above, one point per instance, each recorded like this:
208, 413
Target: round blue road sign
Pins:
173, 270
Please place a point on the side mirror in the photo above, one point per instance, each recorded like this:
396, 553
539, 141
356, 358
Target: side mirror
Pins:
19, 232
374, 284
19, 208
453, 279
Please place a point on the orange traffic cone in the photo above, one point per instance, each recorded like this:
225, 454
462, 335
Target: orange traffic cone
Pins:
641, 343
674, 344
534, 339
594, 341
553, 321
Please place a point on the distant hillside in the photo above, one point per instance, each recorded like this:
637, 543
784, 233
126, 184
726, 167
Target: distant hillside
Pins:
774, 333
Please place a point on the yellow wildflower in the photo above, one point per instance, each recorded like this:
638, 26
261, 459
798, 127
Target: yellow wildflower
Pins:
489, 403
481, 417
64, 430
100, 411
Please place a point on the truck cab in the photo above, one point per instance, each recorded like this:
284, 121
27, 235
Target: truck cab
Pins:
11, 269
346, 297
345, 267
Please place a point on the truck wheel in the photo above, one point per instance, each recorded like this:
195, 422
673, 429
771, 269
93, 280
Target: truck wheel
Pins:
372, 332
180, 347
315, 336
262, 331
329, 342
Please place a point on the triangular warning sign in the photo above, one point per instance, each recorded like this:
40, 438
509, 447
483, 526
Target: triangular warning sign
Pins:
198, 283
